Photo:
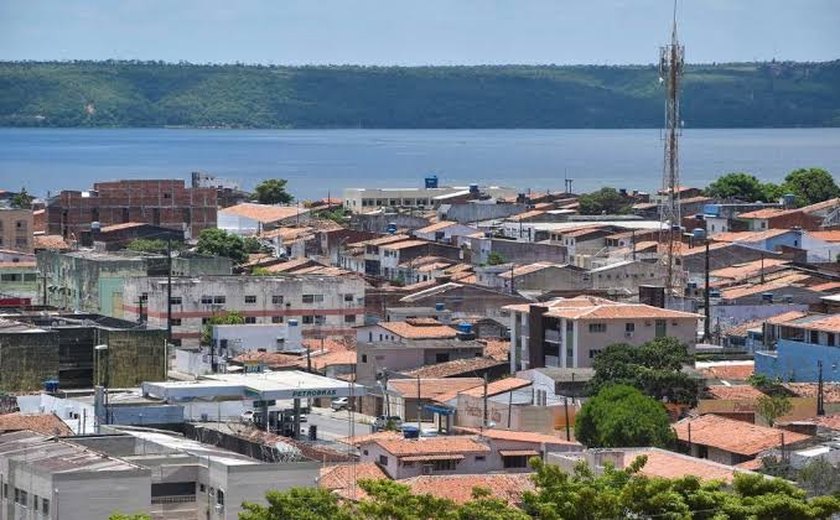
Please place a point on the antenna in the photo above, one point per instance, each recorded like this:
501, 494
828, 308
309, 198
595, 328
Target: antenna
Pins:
671, 68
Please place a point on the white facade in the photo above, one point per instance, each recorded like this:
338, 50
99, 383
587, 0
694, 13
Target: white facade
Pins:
238, 339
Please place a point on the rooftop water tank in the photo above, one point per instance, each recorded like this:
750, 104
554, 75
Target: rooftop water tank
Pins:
698, 233
440, 306
391, 228
789, 199
465, 328
411, 432
431, 182
474, 189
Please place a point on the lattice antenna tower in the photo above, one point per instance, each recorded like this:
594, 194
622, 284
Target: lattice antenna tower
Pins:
671, 68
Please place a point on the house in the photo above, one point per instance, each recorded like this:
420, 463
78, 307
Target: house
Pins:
464, 299
44, 423
376, 359
569, 332
407, 397
401, 331
722, 218
803, 346
445, 231
394, 254
16, 230
249, 218
728, 441
808, 217
477, 367
516, 251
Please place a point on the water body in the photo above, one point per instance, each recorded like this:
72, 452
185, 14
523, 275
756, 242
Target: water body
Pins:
318, 161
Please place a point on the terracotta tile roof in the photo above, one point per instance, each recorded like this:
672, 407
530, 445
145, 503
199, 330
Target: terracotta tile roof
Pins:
342, 478
586, 231
831, 422
749, 269
437, 266
826, 236
287, 233
118, 227
526, 215
827, 287
665, 464
406, 244
421, 261
270, 359
458, 268
829, 323
496, 349
751, 465
408, 331
509, 435
741, 329
18, 265
748, 236
578, 302
458, 488
443, 445
437, 226
422, 322
741, 291
44, 423
734, 436
821, 206
455, 367
526, 269
785, 317
831, 391
387, 239
358, 440
265, 213
698, 250
730, 372
432, 389
734, 392
50, 242
620, 311
501, 386
764, 213
329, 344
290, 265
320, 362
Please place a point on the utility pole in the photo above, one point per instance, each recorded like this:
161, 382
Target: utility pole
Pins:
707, 324
419, 427
169, 290
484, 419
762, 266
820, 390
566, 409
633, 242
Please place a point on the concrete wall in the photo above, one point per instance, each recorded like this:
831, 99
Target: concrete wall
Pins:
136, 355
517, 252
589, 343
27, 359
472, 212
797, 362
371, 358
472, 463
16, 228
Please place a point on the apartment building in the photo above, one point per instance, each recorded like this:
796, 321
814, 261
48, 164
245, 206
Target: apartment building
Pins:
362, 200
327, 305
16, 230
167, 203
569, 332
799, 346
376, 359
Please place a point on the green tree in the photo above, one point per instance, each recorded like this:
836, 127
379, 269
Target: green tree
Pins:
621, 416
260, 271
811, 185
771, 407
219, 242
228, 318
22, 200
655, 368
137, 516
253, 245
742, 186
297, 504
819, 477
147, 245
495, 258
604, 201
272, 191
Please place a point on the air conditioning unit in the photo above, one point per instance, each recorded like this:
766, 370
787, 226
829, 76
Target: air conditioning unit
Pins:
628, 334
427, 469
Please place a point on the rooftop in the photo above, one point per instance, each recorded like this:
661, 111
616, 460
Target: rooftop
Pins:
501, 386
510, 435
458, 488
734, 436
749, 269
432, 389
408, 331
430, 446
439, 226
265, 213
455, 367
749, 236
734, 392
50, 455
44, 423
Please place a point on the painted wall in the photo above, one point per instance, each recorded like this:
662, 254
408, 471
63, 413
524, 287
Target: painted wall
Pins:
797, 362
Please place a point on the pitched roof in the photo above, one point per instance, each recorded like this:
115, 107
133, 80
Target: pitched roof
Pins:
343, 478
496, 349
830, 323
405, 244
748, 236
763, 213
667, 464
501, 386
741, 291
50, 242
730, 371
827, 236
526, 269
408, 331
270, 359
831, 391
358, 440
387, 239
509, 435
734, 436
526, 215
431, 389
339, 357
44, 423
455, 367
734, 392
458, 488
749, 269
785, 317
437, 226
124, 225
443, 445
265, 213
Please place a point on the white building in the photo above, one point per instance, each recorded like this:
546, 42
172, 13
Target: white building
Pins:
330, 305
364, 200
252, 219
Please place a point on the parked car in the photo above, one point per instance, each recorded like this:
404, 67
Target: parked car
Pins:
384, 421
340, 403
247, 416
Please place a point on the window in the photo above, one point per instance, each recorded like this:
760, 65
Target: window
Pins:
250, 320
277, 319
348, 298
320, 320
277, 299
205, 321
5, 490
479, 458
383, 460
444, 465
313, 298
661, 328
223, 343
219, 299
629, 327
45, 506
350, 318
593, 352
518, 461
815, 337
308, 320
175, 322
21, 497
250, 298
202, 488
30, 277
364, 358
597, 327
441, 357
206, 300
175, 300
36, 502
220, 497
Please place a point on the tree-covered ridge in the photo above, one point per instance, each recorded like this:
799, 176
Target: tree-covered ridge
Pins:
137, 94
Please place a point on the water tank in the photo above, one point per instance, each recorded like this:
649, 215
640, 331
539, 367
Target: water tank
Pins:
292, 322
411, 432
698, 234
95, 226
767, 297
474, 189
51, 386
440, 306
391, 228
431, 182
788, 199
465, 328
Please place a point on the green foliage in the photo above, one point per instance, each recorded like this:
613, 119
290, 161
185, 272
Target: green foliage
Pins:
297, 504
811, 185
272, 191
495, 258
253, 245
771, 407
606, 201
228, 318
260, 271
22, 200
654, 368
744, 187
338, 215
219, 242
147, 245
819, 477
621, 416
121, 516
143, 94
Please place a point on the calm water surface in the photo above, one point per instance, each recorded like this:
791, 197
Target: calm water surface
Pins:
316, 161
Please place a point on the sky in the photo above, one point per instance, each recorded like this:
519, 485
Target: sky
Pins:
419, 32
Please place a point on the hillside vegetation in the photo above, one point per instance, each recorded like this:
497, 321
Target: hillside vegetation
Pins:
142, 94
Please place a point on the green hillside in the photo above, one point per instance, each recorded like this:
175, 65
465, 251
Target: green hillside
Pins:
139, 94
